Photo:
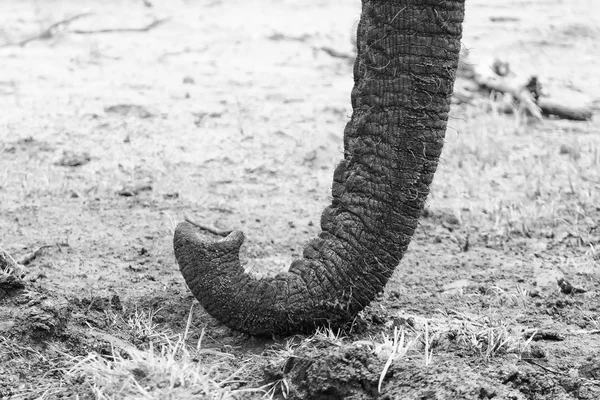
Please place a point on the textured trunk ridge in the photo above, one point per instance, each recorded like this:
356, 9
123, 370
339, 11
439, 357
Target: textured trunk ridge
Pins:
403, 79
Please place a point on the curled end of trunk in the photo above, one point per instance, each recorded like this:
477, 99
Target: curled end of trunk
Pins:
192, 249
207, 266
291, 302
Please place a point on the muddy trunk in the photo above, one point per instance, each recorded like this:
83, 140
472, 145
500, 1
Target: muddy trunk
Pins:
403, 78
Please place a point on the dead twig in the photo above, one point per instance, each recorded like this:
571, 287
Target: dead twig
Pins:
113, 340
530, 361
29, 257
146, 28
211, 229
586, 332
336, 53
552, 371
51, 31
465, 246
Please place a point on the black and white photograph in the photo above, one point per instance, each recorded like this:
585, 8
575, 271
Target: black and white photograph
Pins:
290, 199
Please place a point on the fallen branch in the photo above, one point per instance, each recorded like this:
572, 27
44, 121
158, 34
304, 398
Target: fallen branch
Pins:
552, 107
527, 93
113, 340
51, 31
211, 229
146, 28
518, 91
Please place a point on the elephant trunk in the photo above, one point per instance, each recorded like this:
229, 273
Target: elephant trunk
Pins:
403, 80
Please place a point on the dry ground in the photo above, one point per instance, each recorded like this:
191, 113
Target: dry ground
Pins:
232, 114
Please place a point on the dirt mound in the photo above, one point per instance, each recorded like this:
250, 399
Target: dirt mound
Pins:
31, 312
351, 372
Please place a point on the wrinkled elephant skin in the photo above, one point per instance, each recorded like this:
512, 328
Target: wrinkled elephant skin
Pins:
403, 80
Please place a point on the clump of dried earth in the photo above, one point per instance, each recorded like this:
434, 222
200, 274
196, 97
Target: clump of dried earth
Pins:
231, 114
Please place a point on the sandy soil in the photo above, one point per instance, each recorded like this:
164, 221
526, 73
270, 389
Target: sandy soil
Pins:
230, 113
